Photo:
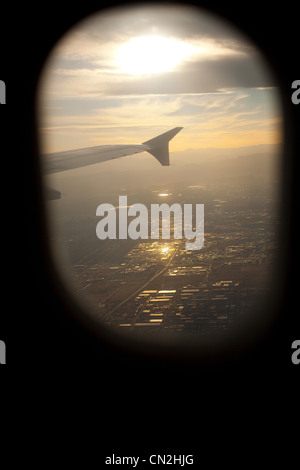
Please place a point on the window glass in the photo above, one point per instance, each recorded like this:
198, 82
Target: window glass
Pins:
202, 266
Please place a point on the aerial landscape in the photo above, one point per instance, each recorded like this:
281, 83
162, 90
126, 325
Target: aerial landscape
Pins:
142, 285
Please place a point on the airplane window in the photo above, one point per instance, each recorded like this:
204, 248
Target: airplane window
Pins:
161, 138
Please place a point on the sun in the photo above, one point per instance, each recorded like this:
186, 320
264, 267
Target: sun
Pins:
151, 55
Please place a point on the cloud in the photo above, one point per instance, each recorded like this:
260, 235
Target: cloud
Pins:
226, 118
193, 77
182, 22
84, 63
196, 77
222, 93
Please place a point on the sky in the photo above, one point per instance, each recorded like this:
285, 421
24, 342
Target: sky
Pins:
129, 74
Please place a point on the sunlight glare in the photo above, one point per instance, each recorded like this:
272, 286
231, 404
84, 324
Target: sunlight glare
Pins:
151, 54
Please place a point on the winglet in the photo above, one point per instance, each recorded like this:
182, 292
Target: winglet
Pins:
159, 146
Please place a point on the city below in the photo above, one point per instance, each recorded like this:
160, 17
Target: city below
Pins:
148, 287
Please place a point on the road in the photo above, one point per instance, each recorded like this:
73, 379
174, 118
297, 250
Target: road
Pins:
142, 287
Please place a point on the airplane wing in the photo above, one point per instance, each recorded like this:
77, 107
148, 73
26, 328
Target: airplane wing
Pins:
70, 159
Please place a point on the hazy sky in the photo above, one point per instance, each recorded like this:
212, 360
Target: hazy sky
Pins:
130, 74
